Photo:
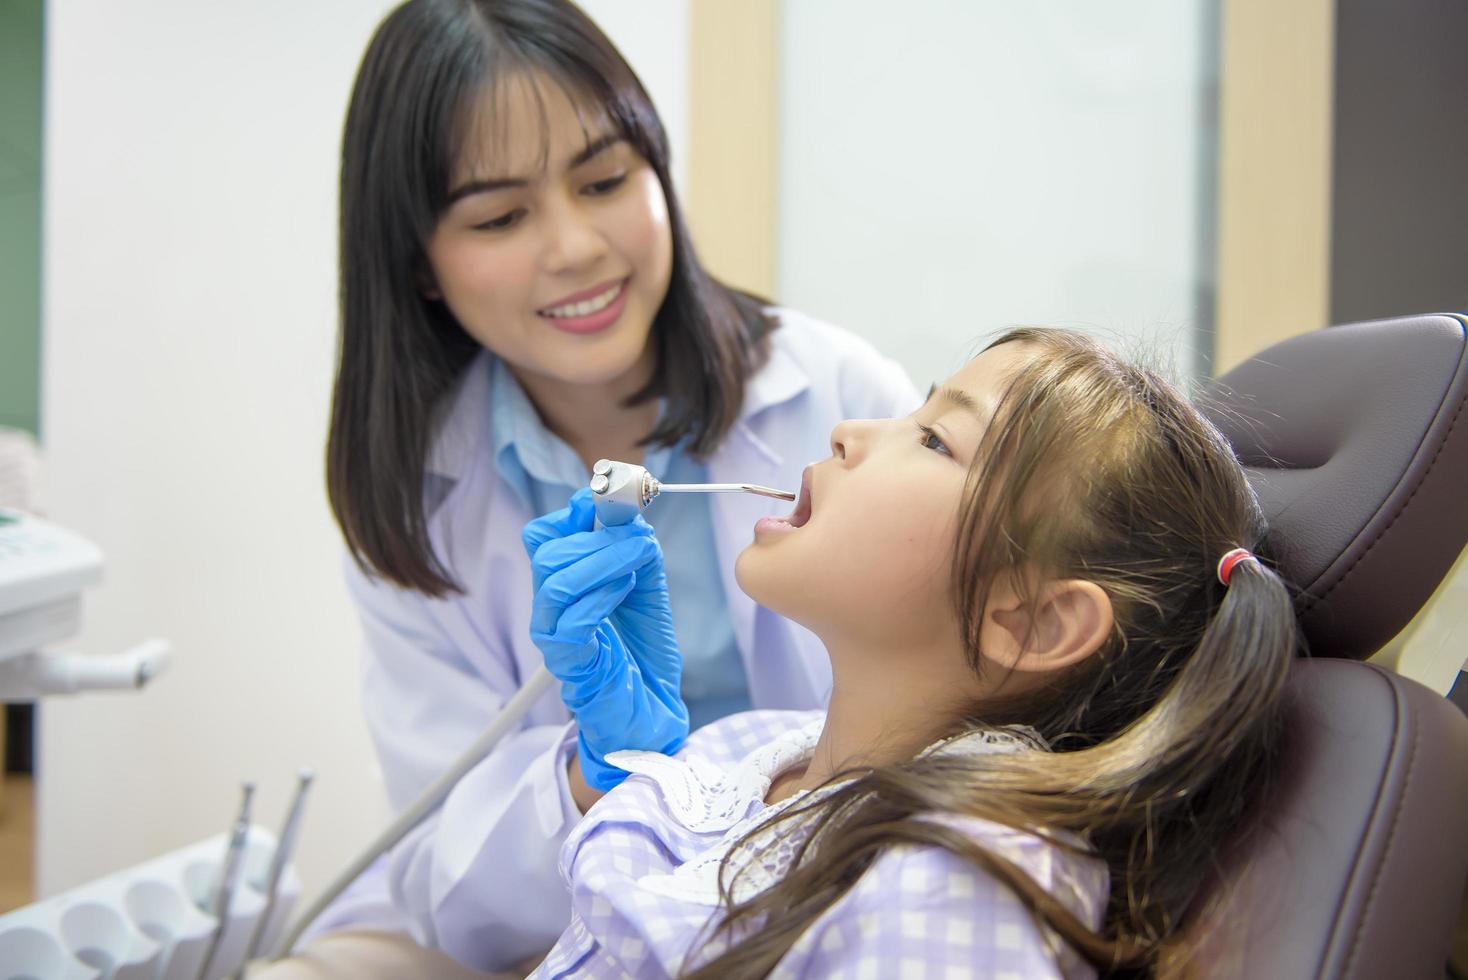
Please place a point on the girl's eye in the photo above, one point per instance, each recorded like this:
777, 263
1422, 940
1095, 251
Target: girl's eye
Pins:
931, 440
502, 222
605, 186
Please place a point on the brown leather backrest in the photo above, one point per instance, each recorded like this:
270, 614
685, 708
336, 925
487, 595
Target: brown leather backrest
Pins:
1359, 865
1356, 443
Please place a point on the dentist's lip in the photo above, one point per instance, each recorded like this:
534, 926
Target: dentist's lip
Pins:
589, 311
585, 294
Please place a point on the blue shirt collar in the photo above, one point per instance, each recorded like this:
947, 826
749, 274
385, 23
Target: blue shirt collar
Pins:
525, 450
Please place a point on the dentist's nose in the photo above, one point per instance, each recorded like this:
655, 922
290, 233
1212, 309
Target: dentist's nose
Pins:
573, 242
850, 439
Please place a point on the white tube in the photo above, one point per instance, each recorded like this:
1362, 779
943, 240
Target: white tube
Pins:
504, 722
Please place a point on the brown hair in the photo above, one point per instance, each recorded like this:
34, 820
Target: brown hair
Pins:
399, 353
1098, 469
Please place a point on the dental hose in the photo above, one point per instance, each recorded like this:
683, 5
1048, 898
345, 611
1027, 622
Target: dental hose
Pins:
621, 491
508, 719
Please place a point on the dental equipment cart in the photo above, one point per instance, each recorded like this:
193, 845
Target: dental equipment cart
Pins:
152, 920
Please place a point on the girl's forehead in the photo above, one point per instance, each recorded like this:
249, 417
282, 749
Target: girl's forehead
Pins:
526, 124
987, 374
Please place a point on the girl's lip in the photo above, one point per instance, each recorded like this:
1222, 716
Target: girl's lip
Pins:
592, 322
773, 525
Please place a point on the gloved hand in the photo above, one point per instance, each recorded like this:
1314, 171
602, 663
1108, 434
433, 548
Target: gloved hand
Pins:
601, 618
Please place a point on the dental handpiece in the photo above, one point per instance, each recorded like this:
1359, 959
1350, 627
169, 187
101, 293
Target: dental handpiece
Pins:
229, 873
623, 490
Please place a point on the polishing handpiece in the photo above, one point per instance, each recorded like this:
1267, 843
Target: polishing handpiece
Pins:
623, 490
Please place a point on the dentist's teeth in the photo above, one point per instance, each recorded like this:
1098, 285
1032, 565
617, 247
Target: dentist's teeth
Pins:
587, 306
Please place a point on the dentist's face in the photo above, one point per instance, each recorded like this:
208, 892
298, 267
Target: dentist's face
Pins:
868, 551
555, 251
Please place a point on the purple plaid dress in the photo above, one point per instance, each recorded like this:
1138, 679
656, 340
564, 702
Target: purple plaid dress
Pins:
642, 869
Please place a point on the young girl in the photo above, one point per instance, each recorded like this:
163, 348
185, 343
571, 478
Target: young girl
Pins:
520, 296
1053, 700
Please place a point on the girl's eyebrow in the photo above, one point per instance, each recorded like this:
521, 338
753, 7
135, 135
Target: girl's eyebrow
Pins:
482, 186
956, 397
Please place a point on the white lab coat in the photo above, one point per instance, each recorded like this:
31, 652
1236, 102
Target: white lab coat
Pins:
479, 879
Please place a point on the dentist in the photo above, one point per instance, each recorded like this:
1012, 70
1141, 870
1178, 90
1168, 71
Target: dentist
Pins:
520, 296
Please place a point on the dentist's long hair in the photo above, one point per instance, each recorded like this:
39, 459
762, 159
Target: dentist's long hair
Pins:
1093, 468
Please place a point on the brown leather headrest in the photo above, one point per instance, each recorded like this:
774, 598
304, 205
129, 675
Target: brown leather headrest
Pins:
1355, 440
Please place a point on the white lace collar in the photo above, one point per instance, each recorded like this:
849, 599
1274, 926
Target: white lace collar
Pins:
707, 799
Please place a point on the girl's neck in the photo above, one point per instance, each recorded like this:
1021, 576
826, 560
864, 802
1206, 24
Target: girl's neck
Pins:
594, 419
872, 721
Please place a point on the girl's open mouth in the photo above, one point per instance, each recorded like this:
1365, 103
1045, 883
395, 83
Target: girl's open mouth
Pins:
802, 503
797, 518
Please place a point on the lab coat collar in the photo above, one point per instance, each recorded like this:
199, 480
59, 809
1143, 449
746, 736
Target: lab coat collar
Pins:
780, 380
464, 423
464, 429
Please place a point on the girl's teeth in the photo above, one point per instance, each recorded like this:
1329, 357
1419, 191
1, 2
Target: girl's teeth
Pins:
585, 307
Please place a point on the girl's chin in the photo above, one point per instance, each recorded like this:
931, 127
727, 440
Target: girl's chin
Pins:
742, 575
753, 574
770, 583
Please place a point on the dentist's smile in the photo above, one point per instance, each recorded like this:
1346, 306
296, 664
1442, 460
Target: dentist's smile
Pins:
590, 310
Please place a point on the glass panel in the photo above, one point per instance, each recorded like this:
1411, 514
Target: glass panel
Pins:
948, 169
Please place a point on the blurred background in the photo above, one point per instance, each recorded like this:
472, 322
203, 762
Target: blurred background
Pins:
1195, 177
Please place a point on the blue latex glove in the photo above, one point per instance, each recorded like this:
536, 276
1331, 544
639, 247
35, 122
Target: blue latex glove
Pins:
601, 618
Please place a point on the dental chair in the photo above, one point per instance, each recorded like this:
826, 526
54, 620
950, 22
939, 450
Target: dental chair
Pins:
1356, 441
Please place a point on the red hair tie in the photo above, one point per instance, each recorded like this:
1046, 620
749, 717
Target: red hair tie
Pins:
1229, 560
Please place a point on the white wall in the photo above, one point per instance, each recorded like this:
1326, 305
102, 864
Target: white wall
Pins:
952, 167
189, 327
653, 36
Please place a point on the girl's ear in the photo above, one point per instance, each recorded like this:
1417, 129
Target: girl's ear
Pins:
1064, 623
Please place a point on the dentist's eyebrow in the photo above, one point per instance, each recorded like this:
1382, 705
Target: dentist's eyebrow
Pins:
594, 148
484, 186
956, 397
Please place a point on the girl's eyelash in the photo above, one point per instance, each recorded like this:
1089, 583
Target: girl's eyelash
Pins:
928, 434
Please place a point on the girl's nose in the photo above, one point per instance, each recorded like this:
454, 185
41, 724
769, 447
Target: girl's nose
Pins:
850, 439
